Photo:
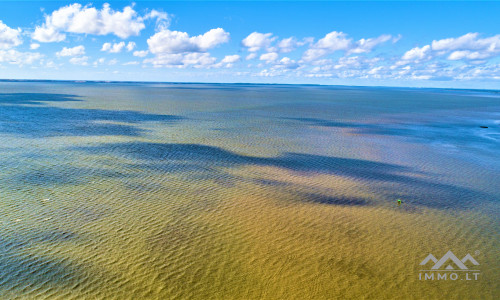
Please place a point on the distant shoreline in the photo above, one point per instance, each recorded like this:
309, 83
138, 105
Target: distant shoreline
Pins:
250, 83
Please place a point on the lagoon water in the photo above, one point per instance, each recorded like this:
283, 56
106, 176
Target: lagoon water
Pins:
234, 191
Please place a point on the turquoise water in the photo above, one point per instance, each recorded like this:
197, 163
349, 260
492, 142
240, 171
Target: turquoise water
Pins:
242, 191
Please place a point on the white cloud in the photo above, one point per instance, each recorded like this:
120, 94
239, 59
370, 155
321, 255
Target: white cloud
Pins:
47, 35
113, 62
395, 39
131, 63
181, 60
34, 46
339, 41
287, 63
251, 56
466, 41
75, 18
288, 45
50, 64
162, 19
356, 62
230, 59
269, 57
113, 48
130, 46
100, 61
318, 75
198, 59
141, 53
19, 58
366, 45
291, 43
174, 42
9, 37
333, 41
227, 61
256, 41
83, 61
469, 46
471, 55
75, 51
417, 53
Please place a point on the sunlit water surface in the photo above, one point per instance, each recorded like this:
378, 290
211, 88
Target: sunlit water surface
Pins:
204, 191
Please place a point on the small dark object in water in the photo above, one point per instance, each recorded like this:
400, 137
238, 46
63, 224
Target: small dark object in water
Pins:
483, 126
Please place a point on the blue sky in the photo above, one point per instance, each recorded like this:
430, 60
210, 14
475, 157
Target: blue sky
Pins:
403, 43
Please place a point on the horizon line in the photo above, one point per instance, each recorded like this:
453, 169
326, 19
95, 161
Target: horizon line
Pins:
249, 83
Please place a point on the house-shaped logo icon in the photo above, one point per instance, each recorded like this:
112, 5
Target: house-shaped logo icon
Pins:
449, 256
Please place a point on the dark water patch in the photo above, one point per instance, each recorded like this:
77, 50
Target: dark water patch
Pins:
16, 240
29, 272
63, 174
29, 275
82, 213
47, 121
463, 133
326, 123
423, 191
47, 177
201, 155
270, 183
334, 200
35, 98
437, 195
58, 236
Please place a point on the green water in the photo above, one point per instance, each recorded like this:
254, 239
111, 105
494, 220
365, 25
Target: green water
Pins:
215, 191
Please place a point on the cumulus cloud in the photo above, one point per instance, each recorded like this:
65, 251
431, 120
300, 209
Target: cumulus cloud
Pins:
75, 51
333, 41
181, 60
227, 61
231, 59
469, 46
130, 46
131, 63
113, 48
34, 46
175, 42
251, 56
291, 43
417, 53
9, 37
178, 49
140, 53
82, 61
427, 62
471, 55
162, 19
339, 41
100, 61
75, 18
256, 41
15, 57
269, 57
286, 63
367, 45
466, 41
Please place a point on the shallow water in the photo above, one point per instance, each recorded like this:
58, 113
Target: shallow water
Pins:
233, 191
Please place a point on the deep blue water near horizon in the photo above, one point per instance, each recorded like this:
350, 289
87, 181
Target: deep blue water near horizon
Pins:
243, 191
